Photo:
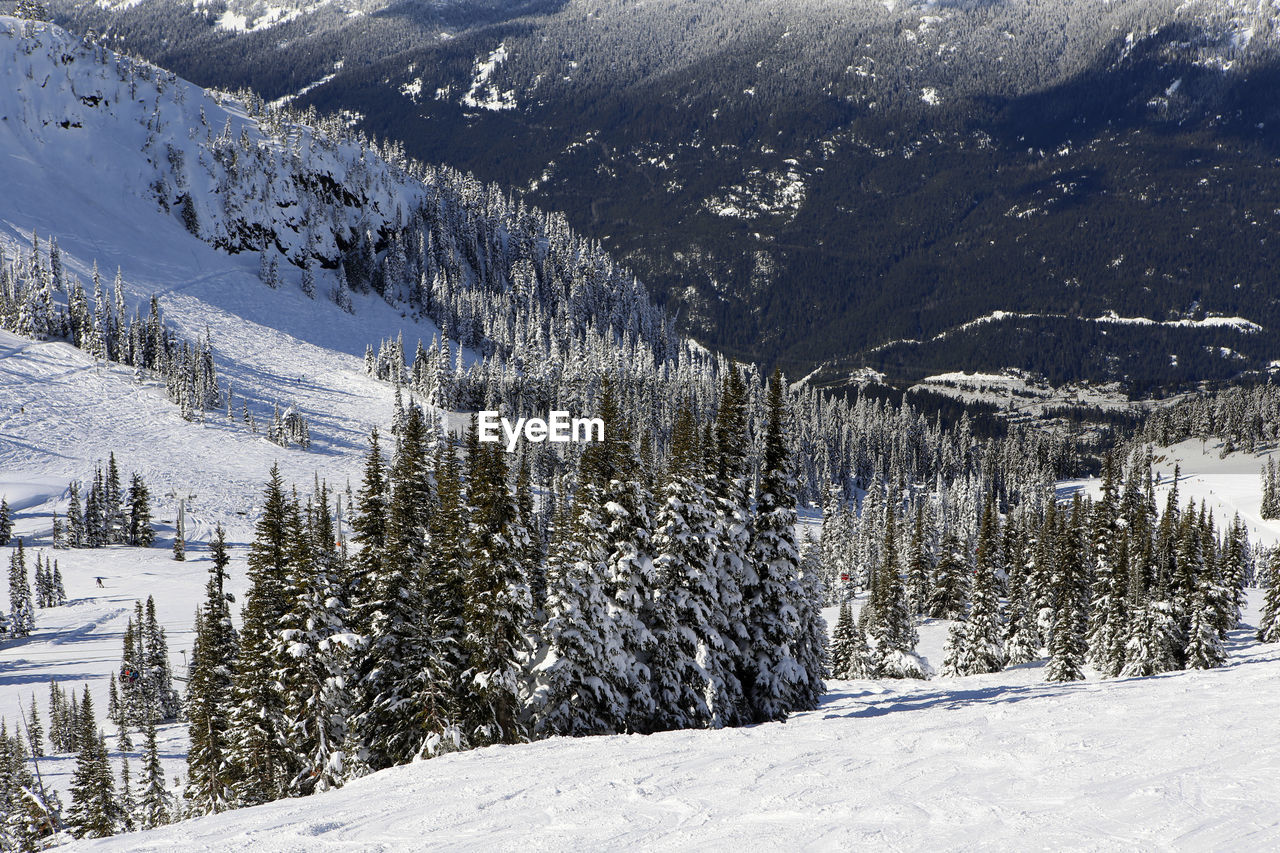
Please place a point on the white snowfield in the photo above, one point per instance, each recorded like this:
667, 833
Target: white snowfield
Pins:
1001, 761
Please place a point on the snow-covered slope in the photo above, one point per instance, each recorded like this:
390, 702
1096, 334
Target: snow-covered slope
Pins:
999, 761
1227, 484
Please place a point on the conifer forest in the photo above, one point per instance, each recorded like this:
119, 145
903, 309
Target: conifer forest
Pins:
592, 425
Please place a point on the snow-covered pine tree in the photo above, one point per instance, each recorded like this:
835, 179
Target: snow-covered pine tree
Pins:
886, 616
842, 642
685, 638
209, 692
1269, 625
93, 806
918, 563
42, 581
1151, 643
35, 731
724, 454
777, 680
1067, 644
22, 617
118, 714
158, 671
56, 589
1204, 645
630, 581
257, 719
1107, 628
141, 534
573, 686
156, 803
76, 534
496, 603
6, 522
949, 591
23, 812
981, 649
126, 805
811, 649
1270, 491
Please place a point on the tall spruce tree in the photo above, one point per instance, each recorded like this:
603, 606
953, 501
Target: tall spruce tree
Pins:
210, 775
1067, 643
497, 605
258, 712
93, 807
22, 616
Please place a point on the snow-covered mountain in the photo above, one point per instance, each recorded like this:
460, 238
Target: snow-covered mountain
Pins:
812, 180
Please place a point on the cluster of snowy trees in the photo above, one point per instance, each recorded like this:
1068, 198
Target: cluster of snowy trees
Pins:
22, 613
1114, 583
832, 438
472, 614
1270, 490
25, 810
1244, 417
144, 692
30, 306
100, 806
40, 300
20, 619
109, 515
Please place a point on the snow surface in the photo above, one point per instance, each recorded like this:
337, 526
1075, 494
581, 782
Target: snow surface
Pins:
1000, 761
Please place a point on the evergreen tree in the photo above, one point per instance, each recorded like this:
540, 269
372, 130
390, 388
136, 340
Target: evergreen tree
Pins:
1269, 626
843, 638
496, 602
155, 799
56, 589
140, 532
975, 643
1204, 645
1107, 628
126, 806
76, 534
24, 816
35, 731
949, 592
1067, 645
257, 718
886, 617
6, 522
312, 652
22, 618
779, 684
93, 805
574, 690
685, 638
209, 692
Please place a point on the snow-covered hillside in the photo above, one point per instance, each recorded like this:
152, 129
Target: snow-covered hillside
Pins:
999, 761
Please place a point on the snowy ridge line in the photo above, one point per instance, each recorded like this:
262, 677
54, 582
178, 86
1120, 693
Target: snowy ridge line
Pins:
1240, 324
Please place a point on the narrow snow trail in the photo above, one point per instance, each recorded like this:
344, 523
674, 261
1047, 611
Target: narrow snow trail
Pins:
1002, 761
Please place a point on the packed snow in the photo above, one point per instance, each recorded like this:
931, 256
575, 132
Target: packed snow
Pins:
1002, 761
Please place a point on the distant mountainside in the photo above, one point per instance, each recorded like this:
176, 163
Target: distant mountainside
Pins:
810, 182
116, 158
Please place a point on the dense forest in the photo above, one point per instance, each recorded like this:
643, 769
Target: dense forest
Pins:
804, 182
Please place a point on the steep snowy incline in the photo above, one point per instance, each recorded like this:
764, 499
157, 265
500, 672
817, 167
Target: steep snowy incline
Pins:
60, 414
1001, 761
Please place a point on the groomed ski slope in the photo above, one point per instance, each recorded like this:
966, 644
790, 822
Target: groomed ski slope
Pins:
1001, 761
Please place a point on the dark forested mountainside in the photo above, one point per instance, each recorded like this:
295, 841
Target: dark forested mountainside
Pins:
805, 182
